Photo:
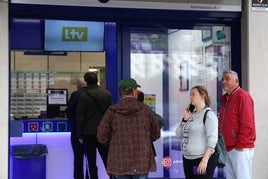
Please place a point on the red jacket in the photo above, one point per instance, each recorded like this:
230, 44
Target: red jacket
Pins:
236, 122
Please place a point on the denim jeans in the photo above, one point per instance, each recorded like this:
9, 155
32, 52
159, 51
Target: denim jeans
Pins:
141, 176
239, 164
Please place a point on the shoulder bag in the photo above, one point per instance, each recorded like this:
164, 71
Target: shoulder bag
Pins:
97, 103
220, 148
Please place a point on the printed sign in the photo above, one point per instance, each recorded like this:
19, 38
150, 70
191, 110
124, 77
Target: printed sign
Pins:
150, 100
259, 5
221, 35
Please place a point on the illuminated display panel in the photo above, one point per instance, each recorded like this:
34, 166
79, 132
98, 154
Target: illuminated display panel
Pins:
63, 35
57, 96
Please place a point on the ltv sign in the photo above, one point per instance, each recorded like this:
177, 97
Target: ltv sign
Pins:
74, 33
61, 35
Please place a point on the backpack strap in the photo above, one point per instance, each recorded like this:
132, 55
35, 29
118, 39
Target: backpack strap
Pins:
97, 103
205, 116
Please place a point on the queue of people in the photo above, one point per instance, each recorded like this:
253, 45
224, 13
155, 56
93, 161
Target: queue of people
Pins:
124, 132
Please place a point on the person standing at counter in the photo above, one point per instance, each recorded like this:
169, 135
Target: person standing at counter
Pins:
91, 107
77, 147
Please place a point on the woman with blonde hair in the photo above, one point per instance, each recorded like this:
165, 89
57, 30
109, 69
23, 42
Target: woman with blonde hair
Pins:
199, 138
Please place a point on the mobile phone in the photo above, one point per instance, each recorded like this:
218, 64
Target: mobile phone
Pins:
191, 108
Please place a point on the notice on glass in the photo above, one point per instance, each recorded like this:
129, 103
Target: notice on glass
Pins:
259, 5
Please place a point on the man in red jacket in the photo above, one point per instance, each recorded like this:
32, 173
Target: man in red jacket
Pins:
237, 125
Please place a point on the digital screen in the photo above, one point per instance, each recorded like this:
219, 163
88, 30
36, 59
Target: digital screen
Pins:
62, 35
57, 96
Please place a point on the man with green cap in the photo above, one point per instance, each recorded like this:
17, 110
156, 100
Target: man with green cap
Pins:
129, 128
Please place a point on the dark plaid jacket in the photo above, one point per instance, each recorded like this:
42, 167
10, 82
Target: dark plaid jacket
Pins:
129, 128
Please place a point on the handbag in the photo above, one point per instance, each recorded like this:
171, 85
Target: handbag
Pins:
221, 151
220, 148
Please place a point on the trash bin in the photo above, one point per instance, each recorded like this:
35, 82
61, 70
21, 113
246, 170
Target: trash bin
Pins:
29, 161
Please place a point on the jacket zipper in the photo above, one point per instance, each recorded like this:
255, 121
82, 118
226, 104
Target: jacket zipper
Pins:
224, 109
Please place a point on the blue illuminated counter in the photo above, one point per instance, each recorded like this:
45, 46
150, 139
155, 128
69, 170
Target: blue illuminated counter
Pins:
55, 134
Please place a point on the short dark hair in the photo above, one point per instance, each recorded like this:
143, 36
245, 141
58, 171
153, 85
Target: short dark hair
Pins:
124, 91
91, 78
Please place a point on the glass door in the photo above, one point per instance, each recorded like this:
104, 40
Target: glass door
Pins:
167, 64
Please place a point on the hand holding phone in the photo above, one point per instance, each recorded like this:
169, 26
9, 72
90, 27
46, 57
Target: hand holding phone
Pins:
191, 108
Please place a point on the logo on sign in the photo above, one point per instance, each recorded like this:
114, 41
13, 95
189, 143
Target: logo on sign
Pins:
167, 162
74, 34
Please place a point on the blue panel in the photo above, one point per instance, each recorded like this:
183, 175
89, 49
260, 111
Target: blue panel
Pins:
114, 14
111, 60
15, 128
26, 34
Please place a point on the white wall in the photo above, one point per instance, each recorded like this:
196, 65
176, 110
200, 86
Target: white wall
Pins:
255, 54
4, 90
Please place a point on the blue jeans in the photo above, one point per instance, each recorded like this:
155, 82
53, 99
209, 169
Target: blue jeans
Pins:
142, 176
239, 164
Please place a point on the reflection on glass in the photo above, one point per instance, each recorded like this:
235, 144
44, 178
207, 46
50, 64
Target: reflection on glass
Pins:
168, 63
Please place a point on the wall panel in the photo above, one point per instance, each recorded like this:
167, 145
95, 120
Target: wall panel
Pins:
30, 62
69, 63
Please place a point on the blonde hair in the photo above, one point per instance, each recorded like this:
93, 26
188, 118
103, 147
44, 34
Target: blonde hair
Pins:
203, 92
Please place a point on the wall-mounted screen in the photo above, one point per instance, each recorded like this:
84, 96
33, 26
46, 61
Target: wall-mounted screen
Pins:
62, 35
57, 96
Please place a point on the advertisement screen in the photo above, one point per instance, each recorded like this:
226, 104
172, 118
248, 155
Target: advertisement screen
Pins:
61, 35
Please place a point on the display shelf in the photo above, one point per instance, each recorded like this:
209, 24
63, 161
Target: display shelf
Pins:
28, 90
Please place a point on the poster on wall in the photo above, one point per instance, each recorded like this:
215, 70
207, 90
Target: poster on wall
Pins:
221, 35
150, 100
259, 5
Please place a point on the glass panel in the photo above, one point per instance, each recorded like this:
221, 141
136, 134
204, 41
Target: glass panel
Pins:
28, 86
167, 64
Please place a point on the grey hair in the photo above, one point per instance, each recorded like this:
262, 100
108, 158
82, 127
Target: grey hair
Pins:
231, 72
81, 81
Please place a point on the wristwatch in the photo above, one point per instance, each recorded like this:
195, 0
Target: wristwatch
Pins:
183, 120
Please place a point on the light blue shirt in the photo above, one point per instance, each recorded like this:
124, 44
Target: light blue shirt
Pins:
197, 136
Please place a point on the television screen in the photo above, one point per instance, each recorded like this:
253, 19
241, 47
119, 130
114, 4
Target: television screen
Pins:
57, 97
63, 35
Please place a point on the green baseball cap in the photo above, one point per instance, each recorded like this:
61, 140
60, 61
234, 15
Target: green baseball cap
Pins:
128, 83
